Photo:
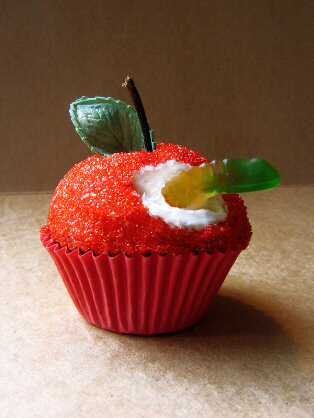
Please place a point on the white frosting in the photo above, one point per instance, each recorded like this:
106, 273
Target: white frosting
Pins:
149, 183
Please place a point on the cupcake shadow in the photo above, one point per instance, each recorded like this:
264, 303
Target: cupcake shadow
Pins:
233, 337
228, 316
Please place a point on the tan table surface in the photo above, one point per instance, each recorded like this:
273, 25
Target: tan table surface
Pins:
251, 357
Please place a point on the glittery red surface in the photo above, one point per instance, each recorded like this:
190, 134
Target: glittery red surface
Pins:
95, 206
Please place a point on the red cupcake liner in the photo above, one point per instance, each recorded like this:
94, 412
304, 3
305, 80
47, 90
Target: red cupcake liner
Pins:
142, 295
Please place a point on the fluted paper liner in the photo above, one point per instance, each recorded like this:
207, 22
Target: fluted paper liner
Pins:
140, 294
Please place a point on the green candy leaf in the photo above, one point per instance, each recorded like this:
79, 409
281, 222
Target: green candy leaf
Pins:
242, 175
107, 125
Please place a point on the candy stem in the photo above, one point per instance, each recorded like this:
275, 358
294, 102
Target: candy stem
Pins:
130, 85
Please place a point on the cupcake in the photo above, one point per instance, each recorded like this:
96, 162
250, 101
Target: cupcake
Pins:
143, 236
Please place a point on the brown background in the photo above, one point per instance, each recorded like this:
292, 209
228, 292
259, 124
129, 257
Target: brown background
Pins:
229, 78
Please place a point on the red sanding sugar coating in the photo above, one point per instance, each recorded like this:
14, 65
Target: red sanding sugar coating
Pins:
95, 207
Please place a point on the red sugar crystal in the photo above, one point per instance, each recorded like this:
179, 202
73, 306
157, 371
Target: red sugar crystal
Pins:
95, 207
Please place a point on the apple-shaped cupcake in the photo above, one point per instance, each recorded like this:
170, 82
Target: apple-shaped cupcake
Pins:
143, 239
